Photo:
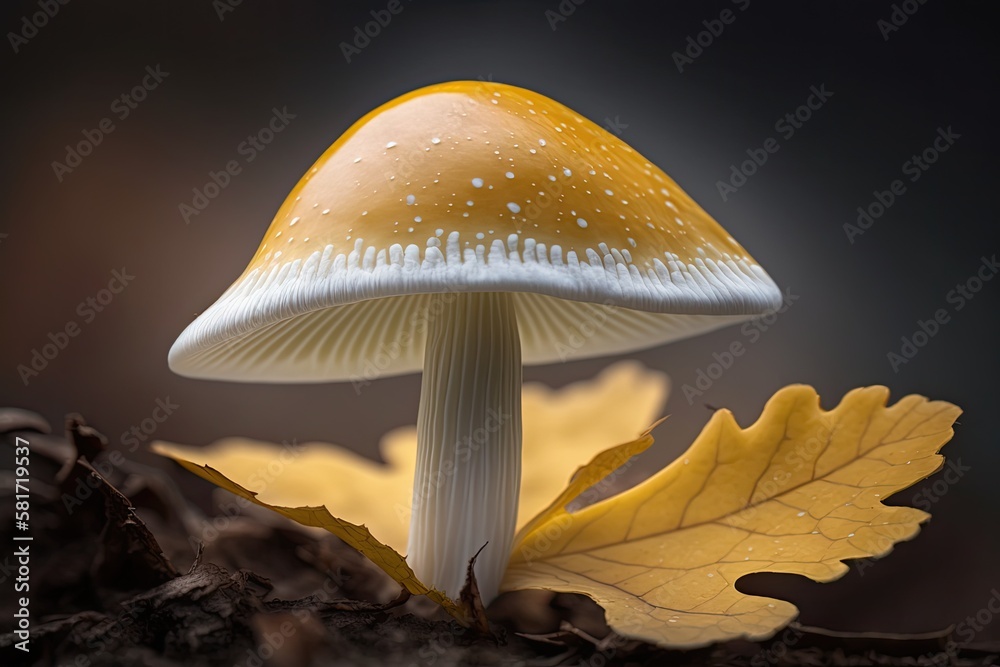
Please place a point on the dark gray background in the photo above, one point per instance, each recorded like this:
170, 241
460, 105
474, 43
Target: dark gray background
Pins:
119, 208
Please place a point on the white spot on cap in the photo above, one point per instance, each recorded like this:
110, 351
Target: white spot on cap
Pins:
417, 219
410, 199
541, 142
390, 144
567, 172
435, 141
480, 235
477, 182
469, 203
294, 220
514, 208
509, 174
581, 222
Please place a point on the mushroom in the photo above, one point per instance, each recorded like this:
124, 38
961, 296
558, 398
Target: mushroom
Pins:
465, 229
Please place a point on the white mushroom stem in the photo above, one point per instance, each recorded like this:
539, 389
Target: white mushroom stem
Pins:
468, 471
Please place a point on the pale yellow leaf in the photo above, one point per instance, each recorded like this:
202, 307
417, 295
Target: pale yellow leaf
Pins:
797, 492
562, 428
565, 427
356, 488
355, 535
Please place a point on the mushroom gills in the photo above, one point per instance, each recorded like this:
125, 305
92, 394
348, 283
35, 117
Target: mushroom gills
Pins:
468, 442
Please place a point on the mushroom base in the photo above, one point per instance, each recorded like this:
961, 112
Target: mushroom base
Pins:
468, 471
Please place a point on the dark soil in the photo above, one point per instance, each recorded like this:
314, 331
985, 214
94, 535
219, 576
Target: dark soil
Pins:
126, 570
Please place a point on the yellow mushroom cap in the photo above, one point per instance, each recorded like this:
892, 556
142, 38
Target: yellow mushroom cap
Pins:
472, 186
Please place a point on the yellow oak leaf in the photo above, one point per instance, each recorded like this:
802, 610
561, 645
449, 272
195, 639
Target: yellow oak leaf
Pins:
562, 427
319, 517
798, 492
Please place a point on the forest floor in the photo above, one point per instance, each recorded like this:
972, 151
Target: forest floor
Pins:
127, 570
